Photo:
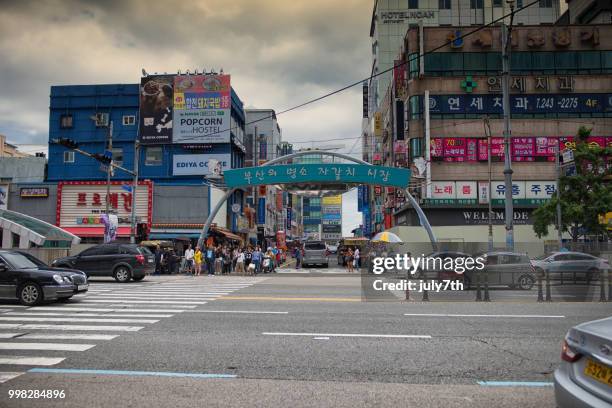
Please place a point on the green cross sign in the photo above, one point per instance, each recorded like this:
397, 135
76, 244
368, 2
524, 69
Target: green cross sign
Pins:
468, 84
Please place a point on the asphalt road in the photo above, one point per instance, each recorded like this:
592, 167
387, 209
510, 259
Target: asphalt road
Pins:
283, 339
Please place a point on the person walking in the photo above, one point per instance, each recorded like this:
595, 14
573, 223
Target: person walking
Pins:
349, 260
197, 258
159, 256
298, 257
256, 259
189, 253
240, 262
357, 260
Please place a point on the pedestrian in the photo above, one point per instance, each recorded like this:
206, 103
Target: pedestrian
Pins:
210, 260
240, 262
256, 259
218, 261
158, 260
298, 257
197, 258
189, 253
357, 259
248, 255
349, 260
227, 261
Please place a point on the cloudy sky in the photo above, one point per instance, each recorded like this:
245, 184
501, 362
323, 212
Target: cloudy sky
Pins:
279, 53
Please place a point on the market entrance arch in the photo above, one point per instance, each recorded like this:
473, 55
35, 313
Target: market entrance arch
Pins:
320, 174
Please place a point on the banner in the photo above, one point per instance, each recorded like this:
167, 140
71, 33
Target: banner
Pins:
332, 200
202, 109
261, 211
156, 96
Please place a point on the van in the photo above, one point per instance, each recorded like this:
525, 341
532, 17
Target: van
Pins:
315, 253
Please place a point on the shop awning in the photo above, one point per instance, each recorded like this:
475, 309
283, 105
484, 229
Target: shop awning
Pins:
226, 233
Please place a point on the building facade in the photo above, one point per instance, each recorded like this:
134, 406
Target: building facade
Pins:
438, 113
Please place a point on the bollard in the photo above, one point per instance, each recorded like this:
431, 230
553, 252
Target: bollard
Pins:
540, 289
486, 287
407, 281
548, 297
602, 286
478, 292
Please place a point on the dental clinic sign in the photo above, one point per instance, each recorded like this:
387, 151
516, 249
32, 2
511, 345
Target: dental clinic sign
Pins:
200, 164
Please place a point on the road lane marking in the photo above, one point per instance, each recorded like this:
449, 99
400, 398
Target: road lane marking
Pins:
161, 298
163, 302
515, 383
45, 346
164, 293
482, 315
235, 311
29, 360
383, 336
5, 376
33, 336
84, 314
131, 373
75, 320
77, 327
100, 309
321, 338
299, 299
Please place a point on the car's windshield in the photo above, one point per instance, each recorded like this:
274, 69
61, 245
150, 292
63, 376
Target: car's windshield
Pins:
315, 245
18, 261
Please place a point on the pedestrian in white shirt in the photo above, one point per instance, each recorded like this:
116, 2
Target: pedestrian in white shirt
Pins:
189, 253
356, 258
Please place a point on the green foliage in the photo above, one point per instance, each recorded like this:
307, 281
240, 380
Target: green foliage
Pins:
585, 196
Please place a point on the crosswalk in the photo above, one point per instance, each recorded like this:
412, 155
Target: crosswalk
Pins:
33, 336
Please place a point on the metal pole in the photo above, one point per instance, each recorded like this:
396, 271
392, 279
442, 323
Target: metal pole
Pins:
256, 188
212, 215
134, 187
558, 176
109, 167
509, 207
488, 133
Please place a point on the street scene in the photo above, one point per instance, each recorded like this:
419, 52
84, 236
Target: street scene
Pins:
365, 203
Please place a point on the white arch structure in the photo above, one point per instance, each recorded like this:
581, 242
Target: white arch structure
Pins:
422, 217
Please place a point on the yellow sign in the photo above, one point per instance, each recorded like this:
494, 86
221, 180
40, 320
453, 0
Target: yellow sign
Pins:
378, 124
332, 200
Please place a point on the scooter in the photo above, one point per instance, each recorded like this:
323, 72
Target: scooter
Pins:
267, 265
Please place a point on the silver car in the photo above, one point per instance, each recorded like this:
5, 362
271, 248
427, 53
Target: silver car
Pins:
584, 378
315, 253
504, 268
571, 266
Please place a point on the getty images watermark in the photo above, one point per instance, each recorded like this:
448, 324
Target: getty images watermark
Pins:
417, 274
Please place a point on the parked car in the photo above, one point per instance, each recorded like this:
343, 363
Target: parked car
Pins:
315, 254
32, 282
570, 266
584, 378
503, 268
121, 261
78, 277
332, 249
434, 272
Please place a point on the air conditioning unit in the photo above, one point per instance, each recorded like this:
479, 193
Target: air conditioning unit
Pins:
101, 119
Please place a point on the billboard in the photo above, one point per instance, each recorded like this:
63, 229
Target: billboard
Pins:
198, 164
202, 109
332, 200
156, 96
185, 109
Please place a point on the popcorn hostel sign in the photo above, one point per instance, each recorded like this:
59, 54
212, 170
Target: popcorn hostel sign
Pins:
200, 164
81, 203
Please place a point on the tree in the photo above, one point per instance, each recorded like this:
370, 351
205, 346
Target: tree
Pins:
585, 196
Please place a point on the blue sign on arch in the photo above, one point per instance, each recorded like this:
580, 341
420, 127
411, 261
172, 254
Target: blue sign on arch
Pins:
317, 173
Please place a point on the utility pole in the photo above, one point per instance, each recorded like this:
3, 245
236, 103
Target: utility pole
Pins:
134, 186
256, 188
109, 168
487, 129
558, 177
506, 32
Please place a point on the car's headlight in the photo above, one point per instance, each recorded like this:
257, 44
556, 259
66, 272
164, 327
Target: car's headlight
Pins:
58, 279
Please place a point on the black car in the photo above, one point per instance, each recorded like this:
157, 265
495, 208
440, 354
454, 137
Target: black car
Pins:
121, 261
28, 279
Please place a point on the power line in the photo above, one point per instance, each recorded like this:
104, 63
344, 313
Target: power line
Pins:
360, 82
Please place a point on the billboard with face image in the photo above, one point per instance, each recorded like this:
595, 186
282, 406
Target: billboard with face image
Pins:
156, 110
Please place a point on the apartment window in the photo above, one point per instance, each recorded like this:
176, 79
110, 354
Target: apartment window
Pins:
101, 119
545, 3
444, 4
476, 4
497, 3
65, 121
129, 120
413, 4
153, 156
519, 3
69, 157
117, 155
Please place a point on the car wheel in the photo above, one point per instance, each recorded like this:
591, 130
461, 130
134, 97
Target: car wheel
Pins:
593, 275
64, 299
30, 294
526, 282
122, 274
138, 279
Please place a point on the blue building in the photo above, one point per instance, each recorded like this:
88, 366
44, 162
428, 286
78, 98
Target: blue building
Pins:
84, 113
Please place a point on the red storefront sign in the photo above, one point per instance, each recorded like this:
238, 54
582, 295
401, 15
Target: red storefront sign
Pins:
81, 203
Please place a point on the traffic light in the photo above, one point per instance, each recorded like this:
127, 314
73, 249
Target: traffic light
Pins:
69, 143
104, 158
